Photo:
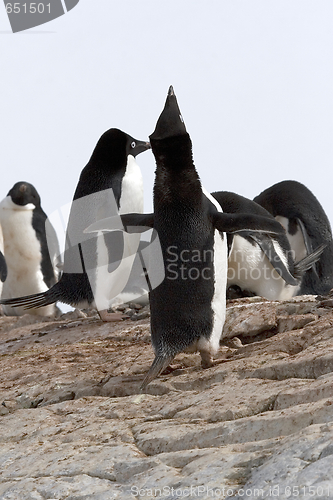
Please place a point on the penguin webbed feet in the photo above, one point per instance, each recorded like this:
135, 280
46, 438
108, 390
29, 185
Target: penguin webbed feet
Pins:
212, 363
207, 360
110, 317
161, 365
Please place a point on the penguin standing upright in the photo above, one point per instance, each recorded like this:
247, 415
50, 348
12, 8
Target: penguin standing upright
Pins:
30, 265
188, 307
110, 183
307, 228
261, 264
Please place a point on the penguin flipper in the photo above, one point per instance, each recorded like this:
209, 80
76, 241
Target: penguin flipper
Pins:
3, 268
54, 252
31, 301
234, 223
308, 246
267, 246
159, 364
137, 223
130, 223
308, 262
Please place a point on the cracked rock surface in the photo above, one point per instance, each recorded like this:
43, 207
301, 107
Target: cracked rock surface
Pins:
258, 425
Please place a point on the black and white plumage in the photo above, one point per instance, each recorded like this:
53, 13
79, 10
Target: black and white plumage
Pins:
93, 273
31, 259
188, 307
137, 288
3, 270
262, 264
3, 265
307, 228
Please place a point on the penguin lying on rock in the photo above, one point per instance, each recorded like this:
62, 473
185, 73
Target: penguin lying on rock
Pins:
262, 264
188, 307
31, 264
97, 268
307, 228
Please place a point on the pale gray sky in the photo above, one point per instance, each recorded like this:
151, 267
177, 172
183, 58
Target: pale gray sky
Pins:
253, 79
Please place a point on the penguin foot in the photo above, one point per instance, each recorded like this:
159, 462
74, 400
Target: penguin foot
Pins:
220, 361
207, 360
108, 317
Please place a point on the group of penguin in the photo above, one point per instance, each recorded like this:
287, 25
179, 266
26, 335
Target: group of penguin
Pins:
277, 246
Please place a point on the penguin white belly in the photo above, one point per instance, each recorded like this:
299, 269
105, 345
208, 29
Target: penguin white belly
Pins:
296, 240
212, 344
131, 198
136, 289
23, 257
109, 286
251, 270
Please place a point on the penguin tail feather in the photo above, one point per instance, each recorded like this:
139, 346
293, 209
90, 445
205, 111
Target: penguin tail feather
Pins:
159, 364
309, 261
31, 301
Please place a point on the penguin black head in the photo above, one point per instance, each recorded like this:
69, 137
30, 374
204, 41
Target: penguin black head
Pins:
170, 122
23, 193
135, 147
114, 146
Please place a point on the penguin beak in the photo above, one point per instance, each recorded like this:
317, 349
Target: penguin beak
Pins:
140, 147
170, 122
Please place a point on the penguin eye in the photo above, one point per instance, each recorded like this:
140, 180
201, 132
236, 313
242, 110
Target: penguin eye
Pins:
133, 144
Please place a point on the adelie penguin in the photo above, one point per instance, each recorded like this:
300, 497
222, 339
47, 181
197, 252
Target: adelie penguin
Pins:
31, 260
307, 228
188, 307
96, 269
261, 264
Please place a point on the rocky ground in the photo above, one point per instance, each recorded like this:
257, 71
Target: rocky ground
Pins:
258, 425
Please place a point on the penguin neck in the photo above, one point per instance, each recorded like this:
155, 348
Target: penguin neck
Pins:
176, 177
101, 175
131, 193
